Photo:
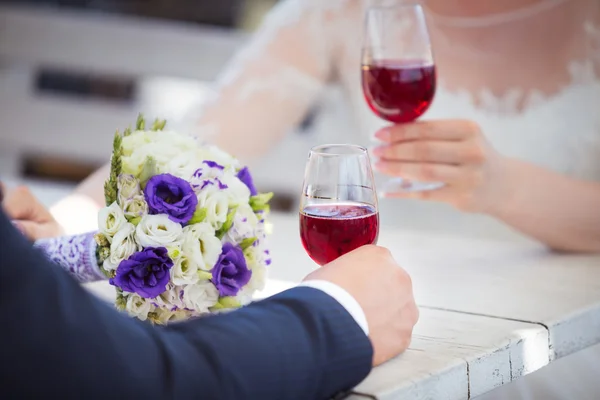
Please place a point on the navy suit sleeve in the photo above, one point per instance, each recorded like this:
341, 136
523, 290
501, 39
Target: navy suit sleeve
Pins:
58, 341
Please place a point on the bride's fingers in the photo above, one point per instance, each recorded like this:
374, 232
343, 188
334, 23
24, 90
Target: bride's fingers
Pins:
428, 172
446, 194
437, 130
432, 151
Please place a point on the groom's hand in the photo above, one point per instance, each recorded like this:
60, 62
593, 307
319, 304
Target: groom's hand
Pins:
383, 290
29, 215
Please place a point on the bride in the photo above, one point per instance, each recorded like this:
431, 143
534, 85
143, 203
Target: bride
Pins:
514, 130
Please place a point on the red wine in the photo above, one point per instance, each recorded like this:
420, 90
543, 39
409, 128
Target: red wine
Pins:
329, 231
399, 91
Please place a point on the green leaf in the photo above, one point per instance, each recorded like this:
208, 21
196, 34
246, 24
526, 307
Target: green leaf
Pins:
148, 170
260, 202
127, 131
111, 186
199, 216
140, 124
225, 303
248, 242
228, 223
134, 220
159, 124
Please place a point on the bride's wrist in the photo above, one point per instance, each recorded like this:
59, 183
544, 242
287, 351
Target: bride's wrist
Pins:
75, 254
511, 181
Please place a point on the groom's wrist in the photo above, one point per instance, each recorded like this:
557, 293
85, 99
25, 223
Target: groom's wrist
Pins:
344, 298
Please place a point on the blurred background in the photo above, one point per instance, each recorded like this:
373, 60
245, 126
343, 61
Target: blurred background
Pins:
73, 71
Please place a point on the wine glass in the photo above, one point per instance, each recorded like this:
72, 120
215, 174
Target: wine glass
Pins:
398, 72
338, 208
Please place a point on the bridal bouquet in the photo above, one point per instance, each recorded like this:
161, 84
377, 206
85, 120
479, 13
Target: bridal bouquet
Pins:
183, 230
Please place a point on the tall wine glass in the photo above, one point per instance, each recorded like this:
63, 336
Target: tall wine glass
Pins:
338, 208
398, 71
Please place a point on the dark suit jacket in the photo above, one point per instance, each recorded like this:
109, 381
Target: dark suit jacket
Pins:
58, 341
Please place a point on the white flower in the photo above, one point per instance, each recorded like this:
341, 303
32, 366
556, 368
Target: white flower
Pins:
122, 247
164, 147
201, 245
136, 140
244, 225
138, 307
258, 279
256, 261
129, 187
110, 220
135, 207
183, 165
216, 202
170, 299
201, 296
206, 171
237, 191
184, 271
169, 140
158, 231
213, 153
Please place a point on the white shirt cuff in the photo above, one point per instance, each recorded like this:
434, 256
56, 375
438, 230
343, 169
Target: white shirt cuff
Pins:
342, 297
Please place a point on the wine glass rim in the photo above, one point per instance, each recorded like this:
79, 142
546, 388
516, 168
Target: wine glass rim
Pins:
321, 150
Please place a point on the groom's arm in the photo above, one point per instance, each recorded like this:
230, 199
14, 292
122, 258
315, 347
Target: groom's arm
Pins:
59, 341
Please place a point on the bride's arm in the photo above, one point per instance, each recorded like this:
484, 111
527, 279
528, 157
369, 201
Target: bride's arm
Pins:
559, 211
264, 92
75, 254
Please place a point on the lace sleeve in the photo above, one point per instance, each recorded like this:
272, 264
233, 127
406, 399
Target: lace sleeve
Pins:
270, 85
76, 254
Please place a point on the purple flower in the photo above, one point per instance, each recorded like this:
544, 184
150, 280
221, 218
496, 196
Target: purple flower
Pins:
244, 176
231, 273
168, 194
145, 273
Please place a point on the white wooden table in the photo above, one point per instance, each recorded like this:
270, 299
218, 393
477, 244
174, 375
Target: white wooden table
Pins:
491, 311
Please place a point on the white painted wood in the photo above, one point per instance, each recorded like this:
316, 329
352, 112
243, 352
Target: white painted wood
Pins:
496, 352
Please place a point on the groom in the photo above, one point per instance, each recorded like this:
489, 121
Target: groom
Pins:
310, 342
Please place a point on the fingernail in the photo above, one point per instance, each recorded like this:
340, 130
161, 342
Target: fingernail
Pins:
383, 134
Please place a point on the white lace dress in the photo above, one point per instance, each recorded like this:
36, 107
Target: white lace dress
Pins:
529, 79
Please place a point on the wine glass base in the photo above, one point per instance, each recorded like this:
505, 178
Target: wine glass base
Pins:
399, 185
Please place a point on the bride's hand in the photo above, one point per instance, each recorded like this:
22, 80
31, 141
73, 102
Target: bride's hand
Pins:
29, 215
454, 152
